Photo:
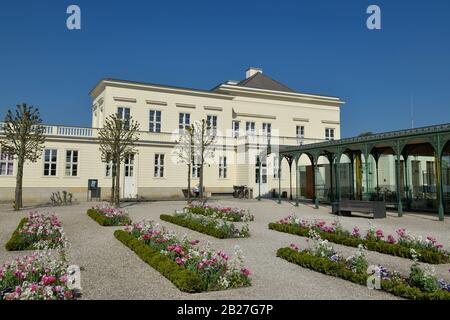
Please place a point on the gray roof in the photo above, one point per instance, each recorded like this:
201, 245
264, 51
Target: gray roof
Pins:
261, 81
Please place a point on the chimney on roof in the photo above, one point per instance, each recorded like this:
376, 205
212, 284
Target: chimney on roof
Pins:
252, 71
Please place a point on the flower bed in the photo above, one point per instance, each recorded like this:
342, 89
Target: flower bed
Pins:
430, 251
108, 216
188, 267
35, 277
321, 257
37, 231
206, 224
224, 213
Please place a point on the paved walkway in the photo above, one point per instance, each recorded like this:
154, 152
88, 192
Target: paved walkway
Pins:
112, 271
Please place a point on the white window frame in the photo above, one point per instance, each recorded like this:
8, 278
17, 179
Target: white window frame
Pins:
129, 163
108, 169
300, 132
212, 127
267, 129
195, 174
235, 127
263, 169
223, 167
276, 167
124, 113
182, 123
70, 164
50, 162
330, 134
154, 121
6, 161
250, 128
158, 170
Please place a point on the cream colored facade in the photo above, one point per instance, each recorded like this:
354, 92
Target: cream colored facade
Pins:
255, 102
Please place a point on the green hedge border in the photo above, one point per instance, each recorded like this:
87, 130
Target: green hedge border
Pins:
193, 225
397, 250
182, 278
339, 270
102, 220
16, 243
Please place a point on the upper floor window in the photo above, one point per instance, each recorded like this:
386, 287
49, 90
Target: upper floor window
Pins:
184, 121
267, 129
300, 132
155, 121
250, 128
124, 115
71, 163
6, 164
211, 124
159, 166
50, 162
223, 167
329, 134
235, 128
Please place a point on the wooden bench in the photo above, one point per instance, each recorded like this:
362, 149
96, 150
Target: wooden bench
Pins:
346, 207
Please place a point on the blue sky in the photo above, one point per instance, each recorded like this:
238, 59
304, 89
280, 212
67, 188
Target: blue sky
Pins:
313, 46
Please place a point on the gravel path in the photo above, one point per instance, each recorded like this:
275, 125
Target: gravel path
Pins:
112, 271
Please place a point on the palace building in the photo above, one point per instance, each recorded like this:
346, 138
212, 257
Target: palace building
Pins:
245, 114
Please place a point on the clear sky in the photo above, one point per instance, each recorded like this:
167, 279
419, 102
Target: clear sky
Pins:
313, 46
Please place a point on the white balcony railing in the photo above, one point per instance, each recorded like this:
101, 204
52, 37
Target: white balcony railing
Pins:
166, 137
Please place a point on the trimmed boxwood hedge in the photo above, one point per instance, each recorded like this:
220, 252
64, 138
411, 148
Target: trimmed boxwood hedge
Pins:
182, 278
397, 250
101, 219
16, 243
339, 270
193, 225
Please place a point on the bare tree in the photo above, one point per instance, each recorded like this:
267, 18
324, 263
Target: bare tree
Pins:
204, 139
24, 140
184, 152
117, 138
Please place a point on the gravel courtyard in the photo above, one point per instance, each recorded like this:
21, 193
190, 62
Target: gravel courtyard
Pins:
112, 271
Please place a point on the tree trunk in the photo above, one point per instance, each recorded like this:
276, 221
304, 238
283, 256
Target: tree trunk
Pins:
117, 189
113, 181
19, 179
201, 181
189, 184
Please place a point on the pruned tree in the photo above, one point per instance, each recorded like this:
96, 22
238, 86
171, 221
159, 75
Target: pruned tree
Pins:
204, 139
184, 152
24, 140
118, 138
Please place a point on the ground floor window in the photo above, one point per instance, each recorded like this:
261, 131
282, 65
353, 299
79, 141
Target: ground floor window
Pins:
195, 170
159, 166
263, 170
71, 163
223, 167
6, 164
129, 165
50, 162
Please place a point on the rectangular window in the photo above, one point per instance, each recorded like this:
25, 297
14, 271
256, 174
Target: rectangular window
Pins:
223, 167
71, 163
129, 165
263, 170
6, 164
184, 121
250, 128
276, 174
211, 124
235, 127
329, 134
155, 121
159, 166
300, 132
124, 114
195, 170
108, 169
50, 162
267, 129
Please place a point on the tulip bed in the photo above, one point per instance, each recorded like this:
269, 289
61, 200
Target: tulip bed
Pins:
107, 216
205, 224
398, 287
189, 267
37, 231
429, 250
217, 211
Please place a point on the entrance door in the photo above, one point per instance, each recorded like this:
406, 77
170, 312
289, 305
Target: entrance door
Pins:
129, 191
